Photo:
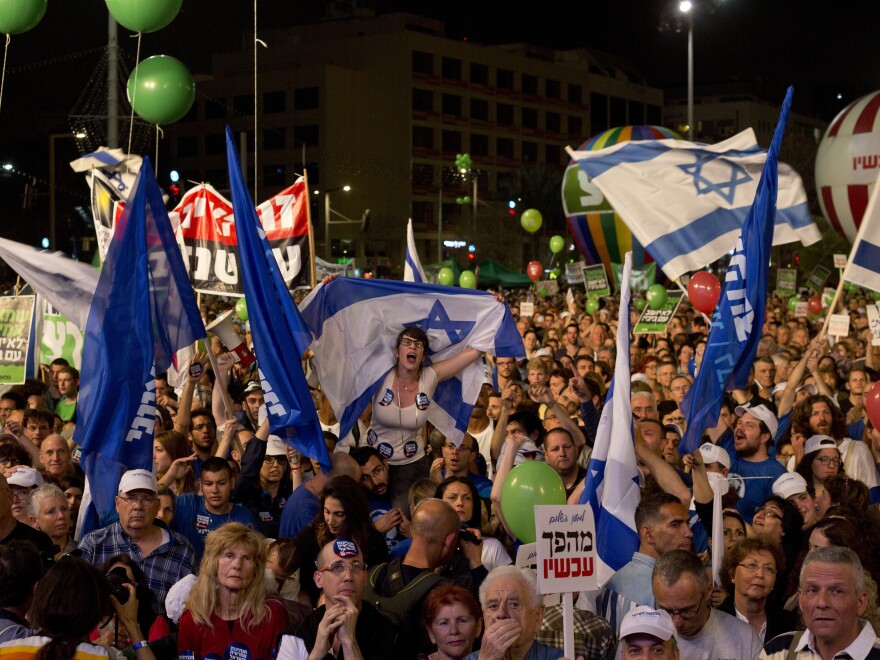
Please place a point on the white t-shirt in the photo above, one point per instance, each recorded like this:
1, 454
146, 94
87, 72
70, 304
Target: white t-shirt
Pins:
493, 554
397, 433
723, 637
484, 443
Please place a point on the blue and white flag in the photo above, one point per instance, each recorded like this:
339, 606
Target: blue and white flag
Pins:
686, 202
143, 311
354, 323
412, 267
863, 265
280, 337
739, 317
611, 486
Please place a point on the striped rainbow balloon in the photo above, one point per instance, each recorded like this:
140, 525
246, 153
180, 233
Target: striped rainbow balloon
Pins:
600, 234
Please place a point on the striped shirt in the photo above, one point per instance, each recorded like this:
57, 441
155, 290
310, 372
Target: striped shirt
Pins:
866, 646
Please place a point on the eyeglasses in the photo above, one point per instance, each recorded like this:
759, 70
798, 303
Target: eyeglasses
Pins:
827, 460
338, 568
685, 614
271, 460
143, 500
754, 568
768, 513
411, 342
450, 446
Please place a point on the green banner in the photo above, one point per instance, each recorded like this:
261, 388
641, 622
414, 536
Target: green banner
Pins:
16, 316
654, 321
816, 280
60, 338
786, 281
640, 279
596, 281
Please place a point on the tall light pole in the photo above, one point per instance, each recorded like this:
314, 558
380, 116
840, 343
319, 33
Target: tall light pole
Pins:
327, 212
687, 7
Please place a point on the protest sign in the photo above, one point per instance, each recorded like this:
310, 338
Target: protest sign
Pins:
574, 273
654, 321
840, 261
548, 287
527, 309
817, 278
16, 315
527, 557
786, 281
874, 323
60, 338
838, 325
566, 548
596, 281
800, 310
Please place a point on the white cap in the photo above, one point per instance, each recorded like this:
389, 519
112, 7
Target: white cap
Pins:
762, 413
541, 352
790, 483
647, 621
809, 387
25, 477
779, 387
817, 442
528, 447
177, 595
714, 454
138, 480
276, 446
643, 378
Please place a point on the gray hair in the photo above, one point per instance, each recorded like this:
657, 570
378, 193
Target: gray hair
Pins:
37, 495
835, 554
525, 577
675, 563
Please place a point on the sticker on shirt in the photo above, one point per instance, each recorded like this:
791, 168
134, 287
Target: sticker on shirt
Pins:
213, 656
410, 449
371, 438
736, 483
203, 523
422, 401
186, 655
387, 398
345, 548
237, 651
266, 517
385, 450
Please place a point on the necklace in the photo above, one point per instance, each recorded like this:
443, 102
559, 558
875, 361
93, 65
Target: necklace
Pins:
400, 383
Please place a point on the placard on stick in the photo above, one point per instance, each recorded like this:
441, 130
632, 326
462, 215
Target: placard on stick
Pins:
566, 548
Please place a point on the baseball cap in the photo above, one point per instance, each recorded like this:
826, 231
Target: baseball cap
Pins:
714, 454
541, 352
276, 446
789, 484
253, 386
25, 477
138, 480
817, 442
809, 387
643, 378
761, 412
647, 621
528, 447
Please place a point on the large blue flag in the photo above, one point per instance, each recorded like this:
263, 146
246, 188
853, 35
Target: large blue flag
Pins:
143, 311
739, 317
280, 336
354, 323
611, 486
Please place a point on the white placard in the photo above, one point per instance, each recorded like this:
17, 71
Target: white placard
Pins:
526, 309
874, 324
801, 310
838, 325
566, 538
527, 556
840, 261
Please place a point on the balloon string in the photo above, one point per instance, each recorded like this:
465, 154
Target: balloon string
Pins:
159, 132
137, 63
3, 77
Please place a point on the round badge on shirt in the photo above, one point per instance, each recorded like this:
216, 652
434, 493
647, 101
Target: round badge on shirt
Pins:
422, 401
410, 449
387, 398
385, 450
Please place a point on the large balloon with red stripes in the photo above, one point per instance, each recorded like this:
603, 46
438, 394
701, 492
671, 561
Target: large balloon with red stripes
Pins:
848, 162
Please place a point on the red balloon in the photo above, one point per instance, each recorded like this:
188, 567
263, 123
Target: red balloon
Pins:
534, 270
814, 304
872, 405
703, 291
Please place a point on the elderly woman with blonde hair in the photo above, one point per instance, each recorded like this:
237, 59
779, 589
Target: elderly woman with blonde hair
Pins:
228, 604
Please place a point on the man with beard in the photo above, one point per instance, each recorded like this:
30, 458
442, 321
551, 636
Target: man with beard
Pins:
455, 462
376, 479
752, 436
506, 372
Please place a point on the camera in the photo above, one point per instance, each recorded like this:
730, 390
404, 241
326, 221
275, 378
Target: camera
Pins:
465, 535
117, 579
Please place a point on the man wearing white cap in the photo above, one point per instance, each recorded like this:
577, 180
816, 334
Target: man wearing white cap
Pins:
15, 530
749, 458
164, 556
21, 482
794, 488
647, 633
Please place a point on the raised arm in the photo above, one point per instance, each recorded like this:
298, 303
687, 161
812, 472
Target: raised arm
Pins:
451, 366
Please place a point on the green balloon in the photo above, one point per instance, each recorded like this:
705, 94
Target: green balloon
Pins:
528, 484
592, 306
467, 280
144, 15
640, 303
241, 309
446, 276
542, 292
656, 296
876, 295
19, 16
531, 220
161, 89
556, 244
792, 303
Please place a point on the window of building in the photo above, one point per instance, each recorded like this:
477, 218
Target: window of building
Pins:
479, 145
423, 100
480, 109
553, 89
423, 63
529, 84
504, 148
552, 154
422, 137
187, 146
305, 98
191, 115
598, 113
504, 79
575, 94
617, 115
218, 178
274, 175
553, 121
529, 118
479, 74
636, 113
451, 68
274, 138
243, 105
576, 126
423, 174
452, 105
504, 114
307, 135
215, 144
451, 142
423, 213
274, 102
653, 115
530, 151
214, 109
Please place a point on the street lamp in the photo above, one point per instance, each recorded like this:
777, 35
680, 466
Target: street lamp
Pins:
686, 7
328, 211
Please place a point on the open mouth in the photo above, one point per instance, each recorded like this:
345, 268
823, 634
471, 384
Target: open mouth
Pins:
411, 356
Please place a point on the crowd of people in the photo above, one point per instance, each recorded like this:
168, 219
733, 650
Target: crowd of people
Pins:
236, 546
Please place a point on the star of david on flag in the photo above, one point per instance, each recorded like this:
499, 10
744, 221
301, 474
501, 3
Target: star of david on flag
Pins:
355, 322
686, 202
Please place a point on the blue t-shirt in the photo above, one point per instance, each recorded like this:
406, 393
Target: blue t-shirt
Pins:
378, 508
299, 512
195, 522
752, 491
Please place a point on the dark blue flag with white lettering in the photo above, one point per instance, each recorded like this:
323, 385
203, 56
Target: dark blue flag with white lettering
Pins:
280, 336
739, 317
143, 312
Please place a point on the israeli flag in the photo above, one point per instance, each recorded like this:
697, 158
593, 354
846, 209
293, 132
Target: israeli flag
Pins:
354, 324
863, 265
412, 267
686, 202
611, 486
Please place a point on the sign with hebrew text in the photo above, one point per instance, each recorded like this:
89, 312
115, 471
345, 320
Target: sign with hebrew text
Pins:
566, 540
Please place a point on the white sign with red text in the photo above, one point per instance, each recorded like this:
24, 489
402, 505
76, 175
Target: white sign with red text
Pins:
566, 540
